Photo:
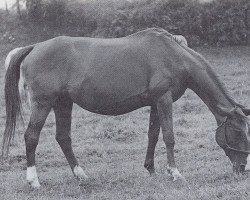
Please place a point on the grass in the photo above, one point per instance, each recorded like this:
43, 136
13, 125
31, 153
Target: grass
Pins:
112, 149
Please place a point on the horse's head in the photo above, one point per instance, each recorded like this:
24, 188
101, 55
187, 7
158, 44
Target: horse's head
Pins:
233, 135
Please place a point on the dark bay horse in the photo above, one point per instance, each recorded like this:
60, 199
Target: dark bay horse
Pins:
113, 77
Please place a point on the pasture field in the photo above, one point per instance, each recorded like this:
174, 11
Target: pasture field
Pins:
112, 150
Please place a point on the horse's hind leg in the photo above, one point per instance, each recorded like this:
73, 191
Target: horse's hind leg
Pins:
39, 114
63, 111
153, 135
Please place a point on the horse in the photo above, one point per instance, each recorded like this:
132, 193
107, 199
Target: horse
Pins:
114, 77
22, 86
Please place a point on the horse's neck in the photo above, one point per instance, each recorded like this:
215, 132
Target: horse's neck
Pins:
207, 86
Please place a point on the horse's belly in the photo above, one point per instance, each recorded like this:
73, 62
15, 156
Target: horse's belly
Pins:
111, 91
110, 106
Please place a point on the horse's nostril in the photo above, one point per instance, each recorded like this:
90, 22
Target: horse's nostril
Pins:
238, 169
242, 168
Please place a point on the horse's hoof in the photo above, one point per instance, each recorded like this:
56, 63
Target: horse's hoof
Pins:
151, 171
174, 172
150, 167
181, 182
178, 176
34, 184
181, 178
153, 174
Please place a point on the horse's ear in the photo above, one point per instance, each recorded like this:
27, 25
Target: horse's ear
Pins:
231, 112
246, 111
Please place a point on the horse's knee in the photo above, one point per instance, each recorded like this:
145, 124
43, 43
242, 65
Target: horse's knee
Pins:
64, 142
153, 139
170, 144
153, 135
60, 139
31, 143
169, 140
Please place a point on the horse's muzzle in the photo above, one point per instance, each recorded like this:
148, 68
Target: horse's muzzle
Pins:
240, 169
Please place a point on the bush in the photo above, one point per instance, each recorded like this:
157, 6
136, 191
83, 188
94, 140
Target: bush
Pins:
220, 22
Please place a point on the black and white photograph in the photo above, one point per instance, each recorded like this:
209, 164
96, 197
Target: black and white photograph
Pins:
124, 99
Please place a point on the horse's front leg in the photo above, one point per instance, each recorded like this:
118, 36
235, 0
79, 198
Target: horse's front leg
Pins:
39, 114
164, 106
153, 135
63, 111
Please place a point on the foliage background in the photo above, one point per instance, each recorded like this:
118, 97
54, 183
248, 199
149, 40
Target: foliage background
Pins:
218, 22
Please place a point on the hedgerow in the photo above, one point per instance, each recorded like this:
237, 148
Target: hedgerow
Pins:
219, 22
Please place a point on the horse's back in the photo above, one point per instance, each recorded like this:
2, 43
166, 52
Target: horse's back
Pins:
88, 70
125, 73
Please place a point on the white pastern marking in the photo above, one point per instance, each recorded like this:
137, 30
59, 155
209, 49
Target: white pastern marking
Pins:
175, 173
32, 177
79, 173
248, 163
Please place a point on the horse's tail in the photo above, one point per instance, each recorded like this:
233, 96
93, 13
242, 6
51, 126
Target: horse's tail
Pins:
12, 96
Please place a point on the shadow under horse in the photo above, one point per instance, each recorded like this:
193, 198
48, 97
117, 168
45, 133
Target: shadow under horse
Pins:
113, 77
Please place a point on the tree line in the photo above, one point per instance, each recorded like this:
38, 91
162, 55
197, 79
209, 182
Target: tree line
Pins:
219, 22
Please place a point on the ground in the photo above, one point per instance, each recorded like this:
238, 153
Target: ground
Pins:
112, 149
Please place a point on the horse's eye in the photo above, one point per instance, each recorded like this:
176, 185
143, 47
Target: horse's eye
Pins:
230, 125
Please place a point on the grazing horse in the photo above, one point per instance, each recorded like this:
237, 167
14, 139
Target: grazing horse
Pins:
113, 77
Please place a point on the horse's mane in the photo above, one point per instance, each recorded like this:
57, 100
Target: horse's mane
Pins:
213, 76
211, 73
158, 32
222, 87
